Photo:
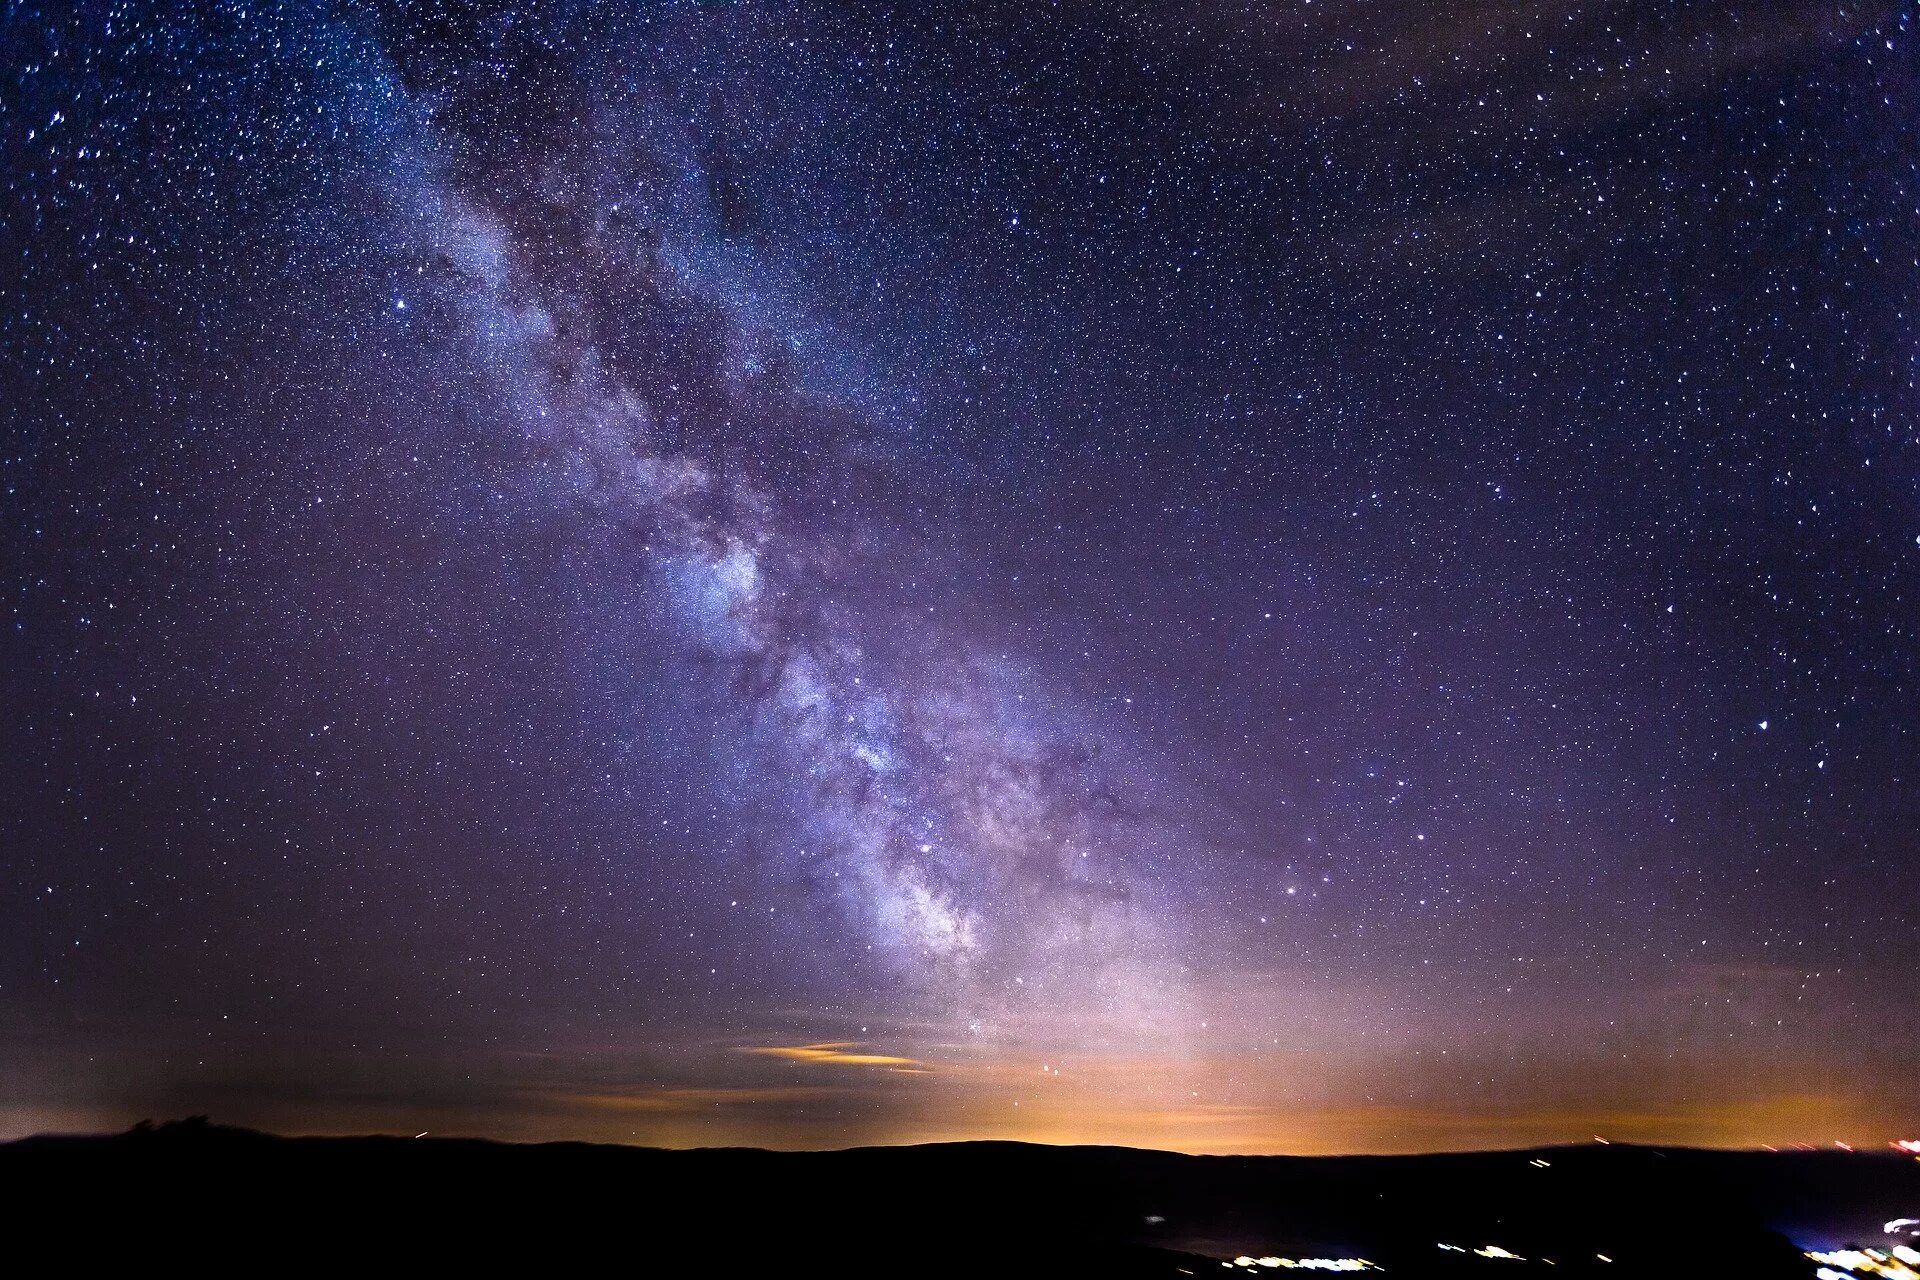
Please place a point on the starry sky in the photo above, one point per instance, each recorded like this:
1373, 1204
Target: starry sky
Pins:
1291, 575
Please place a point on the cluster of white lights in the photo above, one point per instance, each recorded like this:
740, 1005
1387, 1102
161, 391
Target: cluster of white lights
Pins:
1902, 1262
1303, 1264
1484, 1251
1498, 1254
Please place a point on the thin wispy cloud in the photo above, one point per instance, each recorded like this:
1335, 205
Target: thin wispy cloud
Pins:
674, 1101
842, 1053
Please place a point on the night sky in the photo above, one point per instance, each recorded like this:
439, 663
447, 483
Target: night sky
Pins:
1306, 575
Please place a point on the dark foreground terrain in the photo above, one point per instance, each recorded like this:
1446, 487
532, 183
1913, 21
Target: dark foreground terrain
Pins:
226, 1198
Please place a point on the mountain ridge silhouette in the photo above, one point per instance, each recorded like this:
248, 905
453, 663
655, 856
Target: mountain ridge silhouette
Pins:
1018, 1208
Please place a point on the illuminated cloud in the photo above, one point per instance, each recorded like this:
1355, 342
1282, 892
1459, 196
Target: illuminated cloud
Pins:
842, 1053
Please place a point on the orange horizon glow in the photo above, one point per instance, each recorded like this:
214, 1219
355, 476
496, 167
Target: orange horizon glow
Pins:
844, 1098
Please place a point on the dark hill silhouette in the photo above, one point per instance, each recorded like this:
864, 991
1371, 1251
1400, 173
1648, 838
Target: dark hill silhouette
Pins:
192, 1190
